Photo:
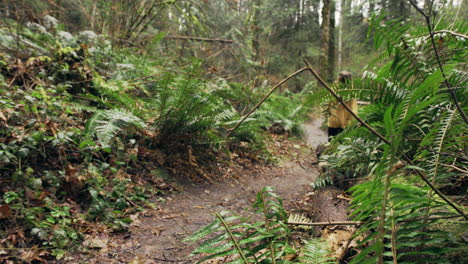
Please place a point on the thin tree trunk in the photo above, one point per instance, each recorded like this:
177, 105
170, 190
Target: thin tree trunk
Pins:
256, 42
340, 36
332, 47
93, 15
325, 40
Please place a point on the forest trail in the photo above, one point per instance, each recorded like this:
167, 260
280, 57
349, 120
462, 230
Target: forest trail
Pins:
156, 236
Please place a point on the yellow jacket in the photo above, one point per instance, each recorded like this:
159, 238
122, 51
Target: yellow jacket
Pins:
339, 116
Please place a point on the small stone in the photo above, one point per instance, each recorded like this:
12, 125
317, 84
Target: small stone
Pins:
50, 22
66, 38
36, 27
87, 36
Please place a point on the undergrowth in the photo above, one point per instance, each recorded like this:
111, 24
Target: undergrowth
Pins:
91, 133
234, 239
400, 186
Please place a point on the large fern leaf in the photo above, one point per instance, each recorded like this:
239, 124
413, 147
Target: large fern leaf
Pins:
106, 124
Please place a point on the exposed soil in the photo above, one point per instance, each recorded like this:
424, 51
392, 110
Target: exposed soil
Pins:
156, 236
314, 134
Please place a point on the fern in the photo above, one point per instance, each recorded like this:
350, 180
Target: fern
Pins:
315, 251
106, 124
411, 106
265, 241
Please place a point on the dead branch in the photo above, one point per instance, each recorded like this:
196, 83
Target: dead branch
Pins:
358, 223
464, 171
456, 34
227, 41
264, 98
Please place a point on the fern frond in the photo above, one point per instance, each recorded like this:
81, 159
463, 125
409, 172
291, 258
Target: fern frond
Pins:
233, 237
107, 124
315, 251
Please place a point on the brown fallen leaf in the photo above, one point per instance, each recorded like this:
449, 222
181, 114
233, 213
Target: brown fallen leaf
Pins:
33, 254
5, 211
95, 242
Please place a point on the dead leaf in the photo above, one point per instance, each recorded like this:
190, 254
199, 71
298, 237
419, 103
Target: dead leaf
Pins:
3, 119
343, 197
95, 242
5, 211
33, 254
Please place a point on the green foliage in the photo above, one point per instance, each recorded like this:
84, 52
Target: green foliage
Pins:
184, 104
351, 158
264, 241
107, 124
412, 106
286, 110
314, 251
79, 122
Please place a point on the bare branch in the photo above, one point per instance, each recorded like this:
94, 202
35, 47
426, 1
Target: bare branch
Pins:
456, 34
358, 223
227, 41
264, 98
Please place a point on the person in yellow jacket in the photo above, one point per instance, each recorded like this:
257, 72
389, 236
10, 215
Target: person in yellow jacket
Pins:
339, 117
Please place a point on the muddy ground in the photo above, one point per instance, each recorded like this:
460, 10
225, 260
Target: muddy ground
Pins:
156, 236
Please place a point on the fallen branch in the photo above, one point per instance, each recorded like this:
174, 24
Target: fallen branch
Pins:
327, 223
358, 223
227, 41
373, 131
264, 98
451, 33
456, 168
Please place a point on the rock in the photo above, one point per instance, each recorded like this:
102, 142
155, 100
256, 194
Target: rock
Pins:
87, 36
35, 27
66, 38
50, 22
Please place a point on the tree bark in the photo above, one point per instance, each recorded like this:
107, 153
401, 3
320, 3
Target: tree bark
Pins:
331, 45
325, 41
340, 36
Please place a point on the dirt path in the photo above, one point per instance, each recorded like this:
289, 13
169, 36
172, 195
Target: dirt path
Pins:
156, 236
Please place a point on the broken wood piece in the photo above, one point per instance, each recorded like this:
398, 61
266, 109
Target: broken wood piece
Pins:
228, 41
362, 222
327, 223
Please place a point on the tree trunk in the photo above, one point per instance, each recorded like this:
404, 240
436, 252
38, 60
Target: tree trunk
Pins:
325, 41
340, 36
256, 58
331, 45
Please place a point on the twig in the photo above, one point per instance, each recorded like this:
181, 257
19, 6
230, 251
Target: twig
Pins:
420, 174
358, 223
227, 41
436, 52
264, 98
455, 168
173, 260
451, 33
